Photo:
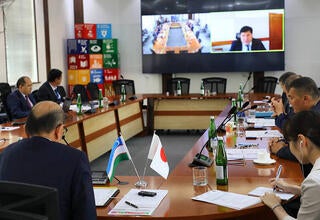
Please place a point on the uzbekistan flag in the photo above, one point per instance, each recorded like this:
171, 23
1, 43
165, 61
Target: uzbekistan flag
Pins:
159, 161
119, 152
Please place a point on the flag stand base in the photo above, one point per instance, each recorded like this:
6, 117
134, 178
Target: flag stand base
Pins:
141, 184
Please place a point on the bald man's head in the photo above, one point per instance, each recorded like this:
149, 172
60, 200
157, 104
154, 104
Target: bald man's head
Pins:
45, 116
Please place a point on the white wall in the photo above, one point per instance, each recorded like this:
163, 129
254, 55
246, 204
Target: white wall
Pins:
302, 19
302, 47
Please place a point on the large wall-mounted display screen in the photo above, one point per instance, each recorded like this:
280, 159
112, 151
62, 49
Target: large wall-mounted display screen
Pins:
181, 36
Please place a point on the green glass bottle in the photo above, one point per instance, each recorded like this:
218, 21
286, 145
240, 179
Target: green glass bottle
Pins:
178, 88
212, 136
239, 99
123, 93
79, 104
100, 98
221, 164
201, 88
234, 103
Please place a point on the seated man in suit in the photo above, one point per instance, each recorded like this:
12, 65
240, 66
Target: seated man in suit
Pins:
246, 42
51, 89
41, 159
21, 100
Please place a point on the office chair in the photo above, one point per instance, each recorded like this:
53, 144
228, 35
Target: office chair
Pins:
184, 82
215, 84
267, 84
129, 85
5, 90
35, 95
28, 201
93, 91
83, 92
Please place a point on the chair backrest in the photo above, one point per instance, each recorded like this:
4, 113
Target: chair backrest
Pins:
129, 85
35, 95
267, 84
28, 200
82, 90
184, 82
215, 84
93, 91
5, 90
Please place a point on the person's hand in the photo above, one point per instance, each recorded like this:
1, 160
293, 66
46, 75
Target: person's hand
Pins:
270, 199
279, 185
277, 106
275, 145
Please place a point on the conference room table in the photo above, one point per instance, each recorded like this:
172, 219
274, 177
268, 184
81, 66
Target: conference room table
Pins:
178, 204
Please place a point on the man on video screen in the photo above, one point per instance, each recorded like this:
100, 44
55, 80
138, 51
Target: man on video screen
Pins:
246, 42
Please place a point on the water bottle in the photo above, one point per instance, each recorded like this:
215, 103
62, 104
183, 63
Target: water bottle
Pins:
100, 98
178, 88
239, 99
79, 104
201, 88
123, 93
221, 164
212, 136
234, 103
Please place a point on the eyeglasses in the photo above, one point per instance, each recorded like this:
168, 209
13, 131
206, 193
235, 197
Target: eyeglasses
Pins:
65, 130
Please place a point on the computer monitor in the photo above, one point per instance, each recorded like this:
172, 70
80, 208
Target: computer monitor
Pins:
35, 201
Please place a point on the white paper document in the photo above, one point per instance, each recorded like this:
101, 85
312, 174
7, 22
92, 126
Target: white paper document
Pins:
103, 195
133, 204
264, 133
262, 122
245, 154
228, 199
259, 191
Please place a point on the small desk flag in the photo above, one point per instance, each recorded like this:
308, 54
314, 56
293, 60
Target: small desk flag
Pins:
159, 160
119, 152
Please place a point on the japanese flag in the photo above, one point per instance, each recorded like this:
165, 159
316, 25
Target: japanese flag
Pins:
159, 161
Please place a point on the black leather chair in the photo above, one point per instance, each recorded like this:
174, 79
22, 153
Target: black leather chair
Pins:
35, 95
216, 85
5, 90
184, 82
266, 84
93, 91
129, 85
83, 93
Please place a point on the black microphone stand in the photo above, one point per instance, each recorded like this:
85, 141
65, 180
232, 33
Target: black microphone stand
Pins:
249, 77
121, 182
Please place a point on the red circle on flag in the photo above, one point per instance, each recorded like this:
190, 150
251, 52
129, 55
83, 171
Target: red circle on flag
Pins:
163, 155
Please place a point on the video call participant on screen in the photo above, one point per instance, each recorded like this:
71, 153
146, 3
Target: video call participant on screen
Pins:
246, 42
41, 159
51, 89
20, 101
303, 133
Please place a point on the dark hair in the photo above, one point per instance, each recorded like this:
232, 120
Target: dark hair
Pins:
289, 80
305, 85
21, 81
284, 76
246, 29
305, 123
54, 74
45, 123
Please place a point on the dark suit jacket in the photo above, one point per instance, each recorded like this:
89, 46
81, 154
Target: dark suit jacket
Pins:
45, 92
40, 161
17, 105
256, 45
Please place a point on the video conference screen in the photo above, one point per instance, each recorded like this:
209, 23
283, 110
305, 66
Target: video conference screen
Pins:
212, 36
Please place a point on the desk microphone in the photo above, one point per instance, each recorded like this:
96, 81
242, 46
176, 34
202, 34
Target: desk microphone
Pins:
252, 107
231, 113
249, 77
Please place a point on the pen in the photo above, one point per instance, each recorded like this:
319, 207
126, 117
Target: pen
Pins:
131, 204
278, 175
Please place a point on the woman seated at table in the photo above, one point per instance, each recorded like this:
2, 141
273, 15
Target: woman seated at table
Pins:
303, 133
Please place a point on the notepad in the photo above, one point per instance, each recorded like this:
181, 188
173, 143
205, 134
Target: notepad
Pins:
104, 195
259, 191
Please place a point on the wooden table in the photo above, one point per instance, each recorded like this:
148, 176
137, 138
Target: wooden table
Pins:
178, 203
